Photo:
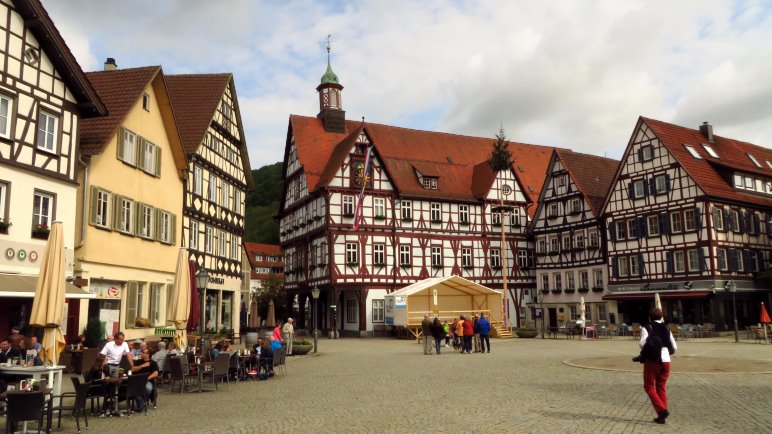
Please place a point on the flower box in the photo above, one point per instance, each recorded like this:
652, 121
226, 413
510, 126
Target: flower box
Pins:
583, 290
556, 291
597, 289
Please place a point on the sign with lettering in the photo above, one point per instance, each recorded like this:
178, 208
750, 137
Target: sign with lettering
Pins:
105, 290
217, 280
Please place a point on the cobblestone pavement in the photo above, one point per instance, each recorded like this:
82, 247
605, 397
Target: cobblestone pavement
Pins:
522, 386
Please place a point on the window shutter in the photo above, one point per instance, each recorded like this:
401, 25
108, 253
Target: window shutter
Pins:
667, 182
631, 190
747, 255
642, 229
157, 171
701, 259
697, 218
727, 221
664, 223
640, 155
134, 223
121, 135
131, 304
92, 214
646, 188
732, 253
140, 153
670, 262
653, 186
614, 267
756, 224
612, 231
641, 269
742, 222
173, 229
116, 212
157, 213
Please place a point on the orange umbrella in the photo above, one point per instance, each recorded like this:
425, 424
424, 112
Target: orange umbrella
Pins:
48, 304
764, 315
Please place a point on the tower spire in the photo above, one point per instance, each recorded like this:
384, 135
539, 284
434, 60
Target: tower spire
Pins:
330, 107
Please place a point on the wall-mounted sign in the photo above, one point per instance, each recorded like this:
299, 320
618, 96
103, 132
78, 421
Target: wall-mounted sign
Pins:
105, 290
400, 301
217, 280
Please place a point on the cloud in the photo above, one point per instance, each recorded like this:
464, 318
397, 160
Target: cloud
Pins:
572, 74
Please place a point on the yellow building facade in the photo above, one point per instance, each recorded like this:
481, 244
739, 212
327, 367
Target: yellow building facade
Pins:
131, 185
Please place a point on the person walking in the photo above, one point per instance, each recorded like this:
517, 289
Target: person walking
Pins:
289, 334
657, 344
426, 332
476, 336
437, 333
468, 327
459, 330
484, 327
446, 328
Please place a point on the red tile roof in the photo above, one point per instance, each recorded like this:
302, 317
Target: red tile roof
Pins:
119, 89
592, 174
258, 249
452, 156
195, 98
732, 153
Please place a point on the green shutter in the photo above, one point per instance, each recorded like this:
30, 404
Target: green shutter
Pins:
92, 215
136, 221
121, 135
157, 229
172, 229
117, 212
158, 161
131, 304
139, 148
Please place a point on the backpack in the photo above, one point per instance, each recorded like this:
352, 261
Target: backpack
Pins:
652, 349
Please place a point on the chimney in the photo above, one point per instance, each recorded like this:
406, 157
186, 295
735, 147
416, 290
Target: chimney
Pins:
110, 64
707, 130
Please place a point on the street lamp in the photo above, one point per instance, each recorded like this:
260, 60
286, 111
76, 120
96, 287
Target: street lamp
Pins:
315, 294
202, 280
732, 287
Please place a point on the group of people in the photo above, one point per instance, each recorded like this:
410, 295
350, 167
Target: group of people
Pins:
18, 346
468, 334
285, 333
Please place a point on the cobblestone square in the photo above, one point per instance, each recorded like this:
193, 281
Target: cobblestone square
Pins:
522, 386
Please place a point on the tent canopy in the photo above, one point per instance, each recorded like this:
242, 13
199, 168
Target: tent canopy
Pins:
451, 285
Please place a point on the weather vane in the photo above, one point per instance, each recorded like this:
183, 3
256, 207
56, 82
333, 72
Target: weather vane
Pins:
329, 45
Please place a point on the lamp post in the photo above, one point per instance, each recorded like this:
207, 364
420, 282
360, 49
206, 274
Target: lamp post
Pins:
733, 289
202, 280
315, 294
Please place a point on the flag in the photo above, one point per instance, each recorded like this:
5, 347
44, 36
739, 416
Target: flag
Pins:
360, 199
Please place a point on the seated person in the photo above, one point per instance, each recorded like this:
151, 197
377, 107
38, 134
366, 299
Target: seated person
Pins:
136, 350
160, 356
34, 344
81, 342
226, 347
172, 348
98, 371
214, 352
146, 366
265, 360
275, 343
7, 352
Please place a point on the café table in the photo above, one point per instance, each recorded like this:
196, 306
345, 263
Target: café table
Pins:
200, 367
52, 373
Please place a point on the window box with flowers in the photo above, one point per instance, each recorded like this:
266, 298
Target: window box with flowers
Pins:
468, 267
40, 232
583, 290
592, 247
4, 225
597, 289
380, 217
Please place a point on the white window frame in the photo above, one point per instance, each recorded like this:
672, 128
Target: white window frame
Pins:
621, 230
676, 222
495, 258
149, 157
740, 261
660, 184
553, 210
554, 245
652, 222
622, 266
237, 201
693, 151
570, 280
128, 214
463, 213
693, 259
154, 311
584, 279
225, 192
734, 217
752, 158
235, 246
576, 205
436, 256
379, 207
48, 131
632, 228
722, 259
542, 245
103, 205
522, 259
209, 240
40, 201
689, 223
561, 180
404, 254
638, 189
348, 205
597, 277
435, 212
379, 254
718, 218
165, 228
193, 235
557, 278
198, 175
223, 244
146, 221
545, 282
6, 114
594, 239
129, 151
647, 156
566, 242
352, 253
211, 190
406, 210
579, 241
633, 261
378, 311
679, 261
466, 257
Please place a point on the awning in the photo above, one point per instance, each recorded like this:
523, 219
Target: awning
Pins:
19, 286
665, 295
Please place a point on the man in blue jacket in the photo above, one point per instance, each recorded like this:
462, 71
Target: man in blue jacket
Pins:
484, 326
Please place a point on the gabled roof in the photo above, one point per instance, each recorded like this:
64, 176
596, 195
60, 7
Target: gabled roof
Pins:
121, 90
452, 156
254, 249
731, 153
36, 19
592, 174
448, 285
195, 98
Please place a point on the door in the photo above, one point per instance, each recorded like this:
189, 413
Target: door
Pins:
553, 317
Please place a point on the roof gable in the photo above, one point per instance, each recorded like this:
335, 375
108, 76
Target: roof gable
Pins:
593, 175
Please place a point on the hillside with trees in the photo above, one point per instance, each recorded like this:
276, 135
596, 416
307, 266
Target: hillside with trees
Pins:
263, 205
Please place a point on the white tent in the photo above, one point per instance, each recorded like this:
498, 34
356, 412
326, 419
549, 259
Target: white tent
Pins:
446, 297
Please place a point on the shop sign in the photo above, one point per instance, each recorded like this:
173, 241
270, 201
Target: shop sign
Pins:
21, 255
217, 280
108, 290
668, 286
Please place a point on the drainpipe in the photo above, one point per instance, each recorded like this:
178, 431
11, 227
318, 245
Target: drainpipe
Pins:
85, 198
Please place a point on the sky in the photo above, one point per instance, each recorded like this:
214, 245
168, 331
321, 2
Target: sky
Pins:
573, 74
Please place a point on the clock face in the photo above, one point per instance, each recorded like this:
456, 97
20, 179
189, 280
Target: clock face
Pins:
360, 177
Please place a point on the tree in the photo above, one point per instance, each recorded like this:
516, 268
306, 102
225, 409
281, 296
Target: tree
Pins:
500, 158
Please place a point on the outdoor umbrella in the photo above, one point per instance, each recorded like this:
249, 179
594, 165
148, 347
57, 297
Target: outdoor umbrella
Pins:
253, 313
657, 301
271, 315
180, 302
582, 310
764, 321
48, 304
195, 307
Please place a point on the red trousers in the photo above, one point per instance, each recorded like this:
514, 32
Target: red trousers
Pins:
654, 379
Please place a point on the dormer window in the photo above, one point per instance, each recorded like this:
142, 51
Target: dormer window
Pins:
709, 149
755, 161
430, 182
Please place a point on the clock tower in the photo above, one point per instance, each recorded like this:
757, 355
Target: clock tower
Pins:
330, 106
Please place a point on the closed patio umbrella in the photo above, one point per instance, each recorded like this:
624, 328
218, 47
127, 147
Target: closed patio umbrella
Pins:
253, 314
180, 302
271, 315
657, 301
582, 310
195, 309
764, 321
48, 304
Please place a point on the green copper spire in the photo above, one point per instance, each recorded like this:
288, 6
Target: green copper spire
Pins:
329, 77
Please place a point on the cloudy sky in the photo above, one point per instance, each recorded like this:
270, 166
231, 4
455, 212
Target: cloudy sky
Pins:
565, 73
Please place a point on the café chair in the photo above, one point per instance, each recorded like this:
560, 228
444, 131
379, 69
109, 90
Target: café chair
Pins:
134, 388
24, 406
178, 373
77, 406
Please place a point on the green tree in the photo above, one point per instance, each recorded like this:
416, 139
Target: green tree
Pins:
263, 205
500, 158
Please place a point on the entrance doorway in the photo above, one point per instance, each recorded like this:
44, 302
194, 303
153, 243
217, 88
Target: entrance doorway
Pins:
553, 317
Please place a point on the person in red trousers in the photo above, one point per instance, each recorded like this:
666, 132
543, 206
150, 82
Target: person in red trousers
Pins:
657, 344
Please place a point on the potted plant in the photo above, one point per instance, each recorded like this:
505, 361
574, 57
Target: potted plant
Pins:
526, 332
40, 231
120, 372
300, 348
4, 225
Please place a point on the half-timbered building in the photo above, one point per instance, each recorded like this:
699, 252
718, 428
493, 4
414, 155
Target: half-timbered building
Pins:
217, 181
131, 176
265, 265
44, 96
689, 216
367, 209
569, 238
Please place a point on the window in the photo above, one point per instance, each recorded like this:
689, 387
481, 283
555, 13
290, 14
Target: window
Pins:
146, 102
466, 257
620, 230
430, 183
227, 116
661, 184
554, 245
693, 152
570, 282
721, 258
212, 190
579, 241
145, 221
566, 243
463, 213
522, 259
166, 227
379, 207
752, 158
694, 260
572, 312
639, 189
734, 221
495, 218
576, 206
739, 260
133, 303
193, 242
352, 253
676, 225
126, 215
323, 249
436, 257
679, 261
515, 219
545, 282
100, 207
156, 290
378, 310
689, 220
223, 239
42, 210
652, 222
597, 278
208, 239
127, 148
31, 55
379, 254
718, 219
553, 210
235, 247
634, 271
351, 311
3, 200
594, 239
436, 215
496, 258
225, 190
348, 206
47, 131
601, 311
542, 246
404, 254
407, 210
647, 153
6, 106
622, 265
632, 228
237, 203
709, 149
558, 279
561, 180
